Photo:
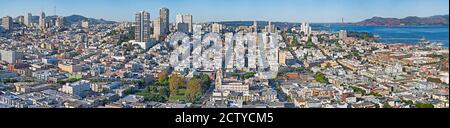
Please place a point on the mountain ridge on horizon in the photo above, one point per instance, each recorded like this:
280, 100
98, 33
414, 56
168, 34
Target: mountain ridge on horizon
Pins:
406, 21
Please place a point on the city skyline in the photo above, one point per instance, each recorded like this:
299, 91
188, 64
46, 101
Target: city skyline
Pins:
292, 11
74, 62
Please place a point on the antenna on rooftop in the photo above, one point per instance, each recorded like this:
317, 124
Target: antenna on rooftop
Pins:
342, 23
54, 7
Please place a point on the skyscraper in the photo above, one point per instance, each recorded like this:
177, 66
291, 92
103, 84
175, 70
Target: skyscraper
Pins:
27, 20
255, 26
305, 28
185, 19
157, 28
188, 19
42, 21
21, 19
179, 19
164, 15
142, 26
7, 23
59, 21
270, 28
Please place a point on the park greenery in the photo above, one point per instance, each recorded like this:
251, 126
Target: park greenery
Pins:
158, 91
9, 80
244, 76
309, 43
362, 35
321, 78
424, 105
375, 94
357, 89
386, 105
176, 88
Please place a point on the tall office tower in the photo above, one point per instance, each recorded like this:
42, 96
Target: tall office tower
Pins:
179, 19
255, 26
305, 28
164, 15
59, 21
21, 19
7, 23
157, 28
42, 21
27, 20
85, 24
185, 19
142, 26
270, 28
188, 19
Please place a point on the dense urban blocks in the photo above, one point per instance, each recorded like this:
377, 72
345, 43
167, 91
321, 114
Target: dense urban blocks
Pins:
78, 62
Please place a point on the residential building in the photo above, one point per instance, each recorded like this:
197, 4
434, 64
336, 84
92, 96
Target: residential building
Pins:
142, 26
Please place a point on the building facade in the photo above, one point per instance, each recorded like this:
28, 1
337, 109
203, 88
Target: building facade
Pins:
7, 23
142, 26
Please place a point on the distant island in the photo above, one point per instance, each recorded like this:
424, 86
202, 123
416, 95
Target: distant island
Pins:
408, 21
76, 19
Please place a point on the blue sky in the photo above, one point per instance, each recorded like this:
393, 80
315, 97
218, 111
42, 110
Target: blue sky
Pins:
233, 10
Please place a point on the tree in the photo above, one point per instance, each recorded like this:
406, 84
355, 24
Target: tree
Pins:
61, 82
162, 76
309, 43
152, 89
164, 91
386, 105
248, 75
424, 105
138, 82
375, 94
153, 93
10, 80
128, 91
408, 102
194, 89
320, 77
175, 82
357, 89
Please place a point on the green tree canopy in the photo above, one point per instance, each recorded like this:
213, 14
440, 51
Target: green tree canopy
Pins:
194, 89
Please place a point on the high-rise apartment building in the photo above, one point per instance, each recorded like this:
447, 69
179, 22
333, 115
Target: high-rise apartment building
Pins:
21, 19
157, 28
59, 21
164, 16
42, 21
7, 23
142, 26
305, 28
185, 19
27, 20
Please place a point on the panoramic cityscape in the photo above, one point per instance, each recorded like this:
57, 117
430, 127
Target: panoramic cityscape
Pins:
163, 57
